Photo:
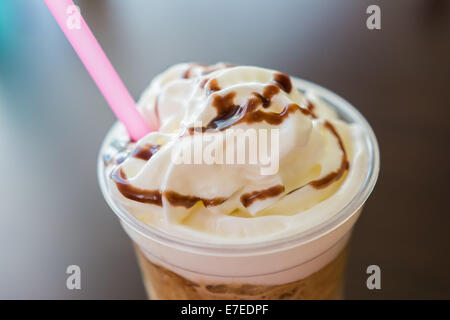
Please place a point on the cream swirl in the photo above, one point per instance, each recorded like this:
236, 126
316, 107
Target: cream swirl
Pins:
232, 201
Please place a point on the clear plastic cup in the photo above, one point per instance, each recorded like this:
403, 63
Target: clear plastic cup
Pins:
307, 265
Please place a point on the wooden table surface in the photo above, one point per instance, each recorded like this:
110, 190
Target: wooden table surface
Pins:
52, 121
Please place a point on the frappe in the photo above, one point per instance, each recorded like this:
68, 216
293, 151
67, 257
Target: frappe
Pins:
249, 189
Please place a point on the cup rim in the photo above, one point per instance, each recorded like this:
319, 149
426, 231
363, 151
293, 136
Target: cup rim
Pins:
345, 109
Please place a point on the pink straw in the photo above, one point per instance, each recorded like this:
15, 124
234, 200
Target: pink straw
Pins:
99, 67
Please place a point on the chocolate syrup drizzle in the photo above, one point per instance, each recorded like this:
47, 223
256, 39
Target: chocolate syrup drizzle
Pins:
145, 152
248, 198
187, 74
213, 86
176, 199
310, 106
335, 175
203, 82
283, 81
134, 193
155, 196
229, 114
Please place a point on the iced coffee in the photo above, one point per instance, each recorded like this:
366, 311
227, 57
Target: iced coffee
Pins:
249, 189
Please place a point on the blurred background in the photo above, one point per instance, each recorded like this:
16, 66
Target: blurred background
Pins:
53, 119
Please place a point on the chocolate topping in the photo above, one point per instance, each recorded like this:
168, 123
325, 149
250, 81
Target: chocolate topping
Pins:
203, 83
176, 199
187, 73
310, 106
226, 109
335, 175
145, 152
248, 112
283, 81
265, 102
248, 198
155, 196
213, 87
272, 118
268, 92
228, 114
133, 193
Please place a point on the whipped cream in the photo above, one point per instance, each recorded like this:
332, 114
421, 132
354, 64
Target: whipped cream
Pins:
321, 159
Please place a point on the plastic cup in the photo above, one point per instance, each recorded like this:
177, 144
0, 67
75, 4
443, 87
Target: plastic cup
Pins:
307, 265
